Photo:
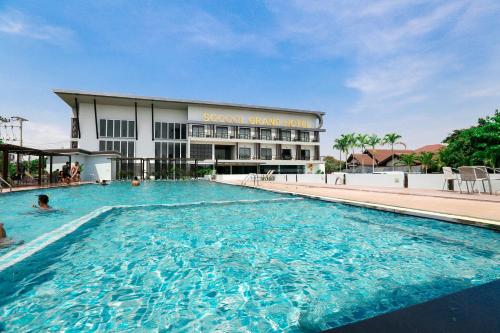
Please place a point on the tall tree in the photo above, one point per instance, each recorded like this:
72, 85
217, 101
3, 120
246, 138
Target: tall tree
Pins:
352, 143
373, 141
341, 145
426, 159
392, 139
408, 159
362, 142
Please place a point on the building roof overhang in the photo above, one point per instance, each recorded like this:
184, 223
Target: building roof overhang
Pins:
69, 96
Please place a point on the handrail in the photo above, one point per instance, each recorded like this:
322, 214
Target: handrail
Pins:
250, 176
5, 182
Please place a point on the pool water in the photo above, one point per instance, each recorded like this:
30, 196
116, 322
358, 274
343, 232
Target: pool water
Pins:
291, 265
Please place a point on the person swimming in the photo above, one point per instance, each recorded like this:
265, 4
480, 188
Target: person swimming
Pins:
4, 240
43, 202
136, 181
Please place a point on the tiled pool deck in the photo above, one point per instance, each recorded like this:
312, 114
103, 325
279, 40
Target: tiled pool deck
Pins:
481, 210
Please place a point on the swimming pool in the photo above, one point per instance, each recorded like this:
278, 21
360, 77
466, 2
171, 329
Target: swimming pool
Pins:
277, 263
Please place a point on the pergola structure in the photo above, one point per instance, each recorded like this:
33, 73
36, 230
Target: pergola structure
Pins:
7, 149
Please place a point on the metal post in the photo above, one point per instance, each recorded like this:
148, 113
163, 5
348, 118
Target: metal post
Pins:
40, 157
5, 172
50, 171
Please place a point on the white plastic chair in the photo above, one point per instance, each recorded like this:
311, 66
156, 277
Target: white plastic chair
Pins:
450, 175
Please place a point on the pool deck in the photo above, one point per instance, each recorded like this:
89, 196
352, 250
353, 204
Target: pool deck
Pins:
480, 210
36, 187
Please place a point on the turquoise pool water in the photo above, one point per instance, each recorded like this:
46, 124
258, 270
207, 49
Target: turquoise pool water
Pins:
291, 265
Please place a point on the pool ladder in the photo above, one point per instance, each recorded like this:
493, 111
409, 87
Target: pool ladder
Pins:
3, 181
251, 177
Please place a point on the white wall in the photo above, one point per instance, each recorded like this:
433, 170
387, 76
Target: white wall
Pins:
95, 167
376, 180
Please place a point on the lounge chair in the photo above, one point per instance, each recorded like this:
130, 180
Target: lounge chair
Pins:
450, 175
475, 174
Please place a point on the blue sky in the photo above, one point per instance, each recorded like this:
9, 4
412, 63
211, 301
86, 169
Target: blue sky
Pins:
419, 68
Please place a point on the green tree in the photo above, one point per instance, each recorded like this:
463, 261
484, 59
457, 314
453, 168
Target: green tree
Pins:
352, 143
408, 159
341, 145
426, 159
331, 164
362, 142
373, 141
392, 139
477, 145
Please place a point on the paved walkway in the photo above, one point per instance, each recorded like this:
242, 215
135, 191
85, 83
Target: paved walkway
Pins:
35, 187
483, 208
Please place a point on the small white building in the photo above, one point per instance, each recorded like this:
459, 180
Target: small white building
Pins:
158, 137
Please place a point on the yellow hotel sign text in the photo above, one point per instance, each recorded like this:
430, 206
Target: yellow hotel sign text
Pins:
264, 121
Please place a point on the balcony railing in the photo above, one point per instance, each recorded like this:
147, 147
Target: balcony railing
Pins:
198, 135
221, 135
244, 136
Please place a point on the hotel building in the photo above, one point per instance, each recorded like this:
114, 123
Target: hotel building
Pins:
152, 136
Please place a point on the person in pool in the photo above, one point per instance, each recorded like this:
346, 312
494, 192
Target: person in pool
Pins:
136, 181
4, 240
43, 202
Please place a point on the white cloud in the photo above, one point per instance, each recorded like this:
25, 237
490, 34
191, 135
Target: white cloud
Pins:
13, 22
45, 135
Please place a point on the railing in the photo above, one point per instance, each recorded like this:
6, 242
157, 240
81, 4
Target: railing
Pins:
221, 135
3, 181
251, 177
244, 136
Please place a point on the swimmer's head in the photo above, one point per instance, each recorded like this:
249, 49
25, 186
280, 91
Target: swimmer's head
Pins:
43, 199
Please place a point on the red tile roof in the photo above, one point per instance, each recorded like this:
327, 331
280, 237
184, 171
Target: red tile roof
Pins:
362, 159
430, 148
381, 155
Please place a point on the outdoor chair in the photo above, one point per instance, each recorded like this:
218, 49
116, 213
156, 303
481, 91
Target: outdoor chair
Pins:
475, 174
450, 175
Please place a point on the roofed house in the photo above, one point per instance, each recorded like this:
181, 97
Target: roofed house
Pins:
383, 157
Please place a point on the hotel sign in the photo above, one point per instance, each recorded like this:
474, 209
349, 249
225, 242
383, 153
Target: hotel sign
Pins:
259, 121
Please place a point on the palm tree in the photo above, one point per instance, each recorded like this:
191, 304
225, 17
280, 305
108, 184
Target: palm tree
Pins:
409, 160
426, 159
341, 145
392, 139
362, 142
373, 140
352, 143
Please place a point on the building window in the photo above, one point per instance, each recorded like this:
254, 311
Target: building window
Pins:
171, 150
164, 130
244, 133
266, 153
116, 128
171, 134
125, 148
177, 131
221, 132
286, 135
201, 152
305, 154
183, 132
304, 136
183, 150
245, 153
265, 134
116, 146
74, 128
198, 131
286, 154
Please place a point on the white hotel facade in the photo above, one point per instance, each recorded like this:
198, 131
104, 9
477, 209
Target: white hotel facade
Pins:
150, 137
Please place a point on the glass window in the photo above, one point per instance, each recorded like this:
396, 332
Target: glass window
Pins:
102, 145
131, 129
109, 145
164, 131
124, 129
304, 136
305, 154
245, 153
198, 131
164, 146
123, 151
102, 128
171, 131
117, 128
244, 133
171, 149
177, 131
183, 150
116, 145
265, 134
157, 130
286, 154
286, 136
109, 129
201, 152
266, 153
183, 131
157, 149
131, 149
221, 132
177, 149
